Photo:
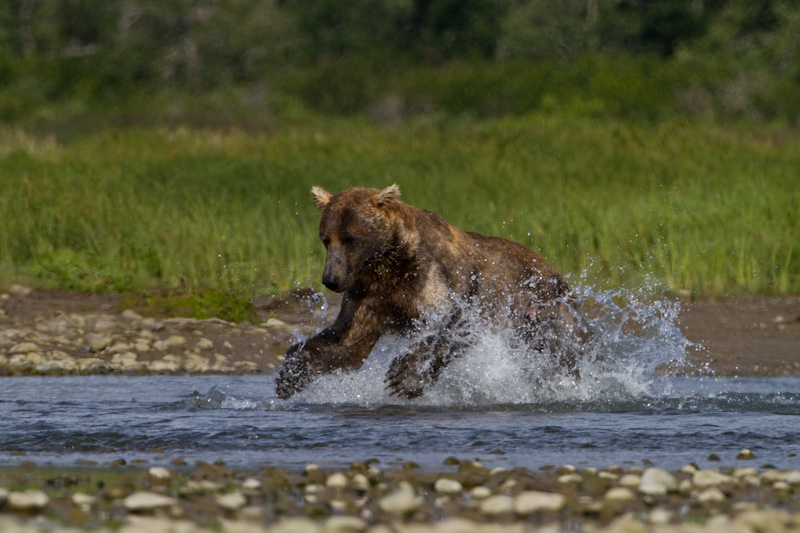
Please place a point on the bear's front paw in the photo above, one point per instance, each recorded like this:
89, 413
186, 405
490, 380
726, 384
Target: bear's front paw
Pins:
403, 379
294, 374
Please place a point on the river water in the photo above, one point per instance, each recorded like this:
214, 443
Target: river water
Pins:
238, 420
497, 403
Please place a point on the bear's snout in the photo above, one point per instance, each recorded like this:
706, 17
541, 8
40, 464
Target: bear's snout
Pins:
335, 271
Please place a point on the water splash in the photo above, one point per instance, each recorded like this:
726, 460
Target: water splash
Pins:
634, 339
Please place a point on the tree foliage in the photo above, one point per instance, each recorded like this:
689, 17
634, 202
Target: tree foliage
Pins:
346, 57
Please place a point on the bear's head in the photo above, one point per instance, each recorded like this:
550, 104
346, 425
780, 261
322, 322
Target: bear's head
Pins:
357, 228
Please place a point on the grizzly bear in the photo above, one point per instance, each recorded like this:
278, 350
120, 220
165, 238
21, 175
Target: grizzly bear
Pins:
395, 265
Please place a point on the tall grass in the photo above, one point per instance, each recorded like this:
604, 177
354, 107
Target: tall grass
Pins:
703, 208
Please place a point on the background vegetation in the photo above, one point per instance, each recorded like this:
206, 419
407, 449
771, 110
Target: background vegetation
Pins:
172, 144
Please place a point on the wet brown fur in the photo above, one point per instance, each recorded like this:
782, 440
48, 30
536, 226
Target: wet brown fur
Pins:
394, 262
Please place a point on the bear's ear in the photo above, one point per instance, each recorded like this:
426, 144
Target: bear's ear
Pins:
387, 196
321, 196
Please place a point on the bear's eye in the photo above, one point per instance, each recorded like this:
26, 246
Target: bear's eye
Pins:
348, 239
325, 240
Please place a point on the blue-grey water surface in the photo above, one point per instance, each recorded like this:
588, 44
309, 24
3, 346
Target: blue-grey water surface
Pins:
671, 422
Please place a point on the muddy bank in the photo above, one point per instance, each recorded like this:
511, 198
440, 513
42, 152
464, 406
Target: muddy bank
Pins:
60, 333
463, 497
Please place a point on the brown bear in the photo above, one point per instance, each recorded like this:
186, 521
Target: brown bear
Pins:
395, 264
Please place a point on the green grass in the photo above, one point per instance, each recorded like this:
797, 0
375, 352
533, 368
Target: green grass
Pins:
698, 207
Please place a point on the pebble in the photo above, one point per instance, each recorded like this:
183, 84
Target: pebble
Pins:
159, 475
619, 496
232, 502
344, 524
532, 502
631, 481
23, 348
711, 496
498, 504
337, 481
480, 493
709, 478
29, 501
657, 482
83, 500
142, 502
401, 501
447, 486
295, 525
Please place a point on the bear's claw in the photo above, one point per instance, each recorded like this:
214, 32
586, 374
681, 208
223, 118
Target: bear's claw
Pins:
294, 375
403, 380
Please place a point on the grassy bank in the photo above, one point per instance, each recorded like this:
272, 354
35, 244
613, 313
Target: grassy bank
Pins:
709, 209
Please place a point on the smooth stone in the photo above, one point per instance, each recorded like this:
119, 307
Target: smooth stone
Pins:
27, 501
23, 348
295, 525
401, 501
630, 481
481, 493
3, 496
232, 501
657, 481
159, 474
147, 501
498, 504
105, 326
711, 496
619, 495
344, 524
205, 344
447, 486
251, 483
83, 500
709, 478
660, 517
130, 314
746, 455
456, 525
570, 479
531, 502
337, 481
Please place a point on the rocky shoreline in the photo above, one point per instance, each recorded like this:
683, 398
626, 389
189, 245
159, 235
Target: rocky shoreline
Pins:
64, 342
464, 497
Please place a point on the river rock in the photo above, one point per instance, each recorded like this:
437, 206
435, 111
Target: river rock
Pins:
23, 348
159, 475
630, 481
204, 344
657, 482
130, 314
98, 342
497, 505
532, 502
143, 502
29, 501
344, 524
619, 496
711, 496
232, 502
84, 500
746, 455
295, 525
402, 501
480, 492
709, 478
336, 481
3, 496
444, 485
